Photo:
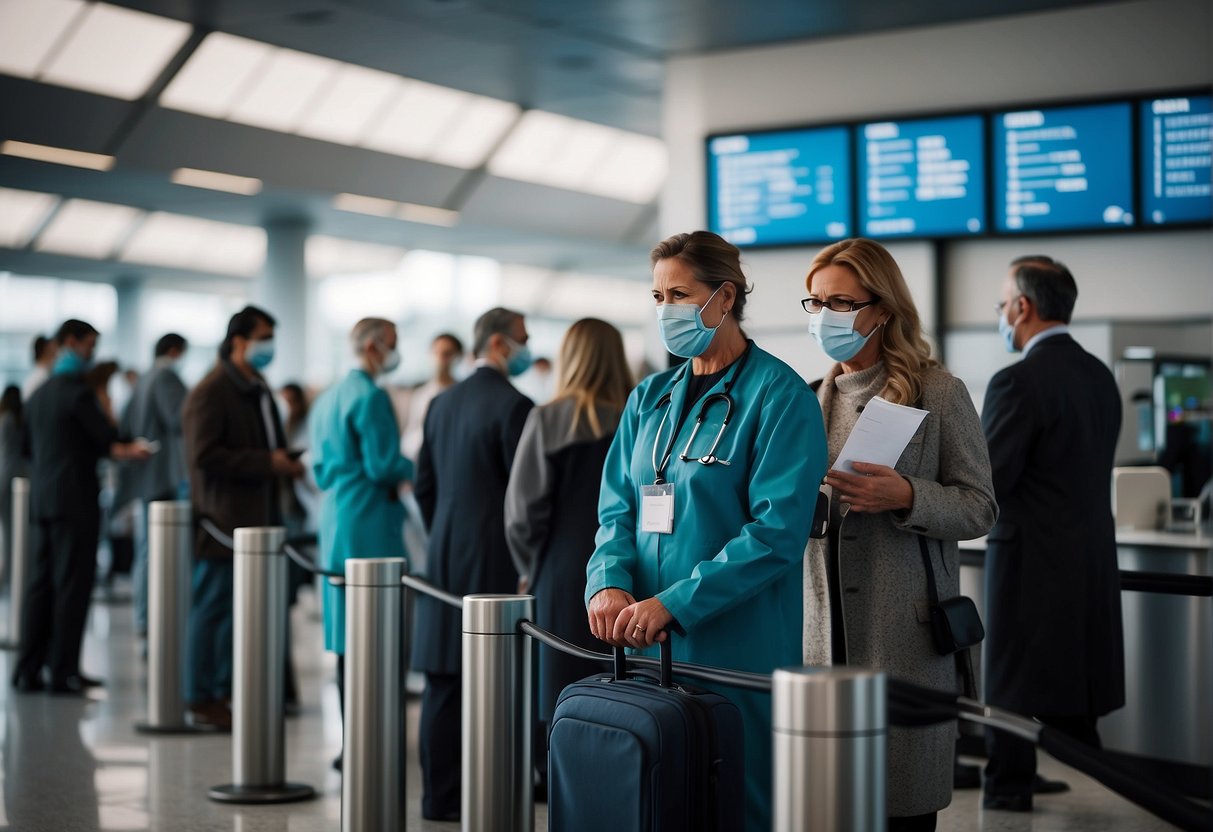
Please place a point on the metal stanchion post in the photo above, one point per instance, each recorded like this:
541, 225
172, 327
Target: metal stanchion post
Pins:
498, 760
829, 729
373, 776
259, 655
18, 560
168, 582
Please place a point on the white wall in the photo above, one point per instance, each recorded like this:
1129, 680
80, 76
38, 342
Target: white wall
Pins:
1111, 49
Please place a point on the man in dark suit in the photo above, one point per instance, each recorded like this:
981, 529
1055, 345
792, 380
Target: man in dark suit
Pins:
235, 448
154, 412
67, 433
471, 433
1053, 629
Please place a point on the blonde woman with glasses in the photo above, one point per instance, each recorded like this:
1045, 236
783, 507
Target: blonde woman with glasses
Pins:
866, 583
551, 504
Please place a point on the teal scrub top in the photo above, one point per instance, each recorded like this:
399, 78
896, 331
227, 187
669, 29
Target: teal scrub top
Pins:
357, 464
731, 571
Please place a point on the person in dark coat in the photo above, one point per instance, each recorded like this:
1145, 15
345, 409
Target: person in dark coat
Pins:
66, 434
236, 453
1054, 638
551, 505
471, 434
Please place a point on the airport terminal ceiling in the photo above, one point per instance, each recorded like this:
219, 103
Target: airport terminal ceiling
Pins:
580, 64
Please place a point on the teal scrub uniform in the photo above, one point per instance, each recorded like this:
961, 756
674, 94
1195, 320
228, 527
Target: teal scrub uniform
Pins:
731, 570
358, 466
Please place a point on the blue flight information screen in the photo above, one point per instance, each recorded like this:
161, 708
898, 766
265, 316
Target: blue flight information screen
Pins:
1177, 152
924, 177
780, 188
1063, 168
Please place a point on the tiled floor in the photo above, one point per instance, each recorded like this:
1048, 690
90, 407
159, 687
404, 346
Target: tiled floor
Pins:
72, 765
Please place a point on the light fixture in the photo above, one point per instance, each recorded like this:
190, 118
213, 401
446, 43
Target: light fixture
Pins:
114, 51
196, 244
373, 205
327, 256
416, 120
21, 214
212, 180
56, 155
476, 129
83, 228
634, 171
279, 94
215, 75
346, 110
428, 214
29, 29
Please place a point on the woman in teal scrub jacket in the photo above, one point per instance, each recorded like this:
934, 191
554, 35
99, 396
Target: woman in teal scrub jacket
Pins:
358, 466
722, 567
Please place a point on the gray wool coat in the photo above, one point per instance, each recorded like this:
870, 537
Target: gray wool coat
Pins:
884, 586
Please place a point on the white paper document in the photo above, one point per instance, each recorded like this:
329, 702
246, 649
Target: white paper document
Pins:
881, 434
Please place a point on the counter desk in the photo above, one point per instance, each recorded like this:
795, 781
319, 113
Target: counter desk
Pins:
1167, 721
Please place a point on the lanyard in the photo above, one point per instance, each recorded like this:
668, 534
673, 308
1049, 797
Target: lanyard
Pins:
667, 401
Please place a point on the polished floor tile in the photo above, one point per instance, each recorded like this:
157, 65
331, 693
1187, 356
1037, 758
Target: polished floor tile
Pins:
77, 765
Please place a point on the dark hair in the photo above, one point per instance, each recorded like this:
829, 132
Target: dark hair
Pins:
242, 325
98, 377
293, 420
712, 259
449, 337
1048, 284
41, 342
10, 402
497, 321
75, 330
170, 342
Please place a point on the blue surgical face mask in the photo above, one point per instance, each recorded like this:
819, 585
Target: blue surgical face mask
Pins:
835, 333
70, 361
682, 328
260, 353
1007, 330
520, 358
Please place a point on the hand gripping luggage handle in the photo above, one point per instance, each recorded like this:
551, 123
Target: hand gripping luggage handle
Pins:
666, 679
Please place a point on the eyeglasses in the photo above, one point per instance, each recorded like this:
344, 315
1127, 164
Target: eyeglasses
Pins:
815, 305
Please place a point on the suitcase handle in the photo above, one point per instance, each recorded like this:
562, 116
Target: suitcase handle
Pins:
666, 679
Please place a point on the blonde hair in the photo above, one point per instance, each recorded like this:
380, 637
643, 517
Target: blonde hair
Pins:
906, 353
593, 371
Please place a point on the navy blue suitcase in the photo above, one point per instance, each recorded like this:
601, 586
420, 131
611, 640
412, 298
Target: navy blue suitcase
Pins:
639, 754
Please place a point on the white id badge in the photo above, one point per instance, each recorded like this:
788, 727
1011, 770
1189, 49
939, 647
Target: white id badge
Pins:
657, 508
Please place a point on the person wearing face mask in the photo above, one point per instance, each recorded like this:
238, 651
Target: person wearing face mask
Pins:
154, 412
65, 434
866, 596
707, 496
471, 436
235, 448
1053, 619
356, 460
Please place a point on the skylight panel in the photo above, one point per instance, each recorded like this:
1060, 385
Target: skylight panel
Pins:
83, 228
282, 91
218, 71
29, 29
21, 214
345, 112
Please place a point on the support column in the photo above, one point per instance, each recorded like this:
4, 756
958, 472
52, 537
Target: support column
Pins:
282, 291
126, 343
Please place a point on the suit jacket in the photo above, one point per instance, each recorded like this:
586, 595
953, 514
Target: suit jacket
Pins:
228, 452
154, 413
471, 435
1053, 625
67, 435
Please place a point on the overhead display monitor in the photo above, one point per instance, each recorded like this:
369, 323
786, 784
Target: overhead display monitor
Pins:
780, 188
1177, 151
1063, 168
922, 178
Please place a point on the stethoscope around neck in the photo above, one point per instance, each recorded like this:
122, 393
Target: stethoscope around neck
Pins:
710, 458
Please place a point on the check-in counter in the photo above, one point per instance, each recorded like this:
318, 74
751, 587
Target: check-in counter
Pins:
1168, 713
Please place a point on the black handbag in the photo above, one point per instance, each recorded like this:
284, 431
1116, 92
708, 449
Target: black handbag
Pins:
955, 623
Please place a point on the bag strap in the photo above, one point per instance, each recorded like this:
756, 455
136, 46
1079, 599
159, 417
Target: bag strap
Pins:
932, 593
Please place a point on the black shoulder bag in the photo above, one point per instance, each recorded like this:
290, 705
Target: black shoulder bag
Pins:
955, 623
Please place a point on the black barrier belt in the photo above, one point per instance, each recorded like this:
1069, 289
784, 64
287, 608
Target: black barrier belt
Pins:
307, 564
1155, 796
417, 584
1167, 583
